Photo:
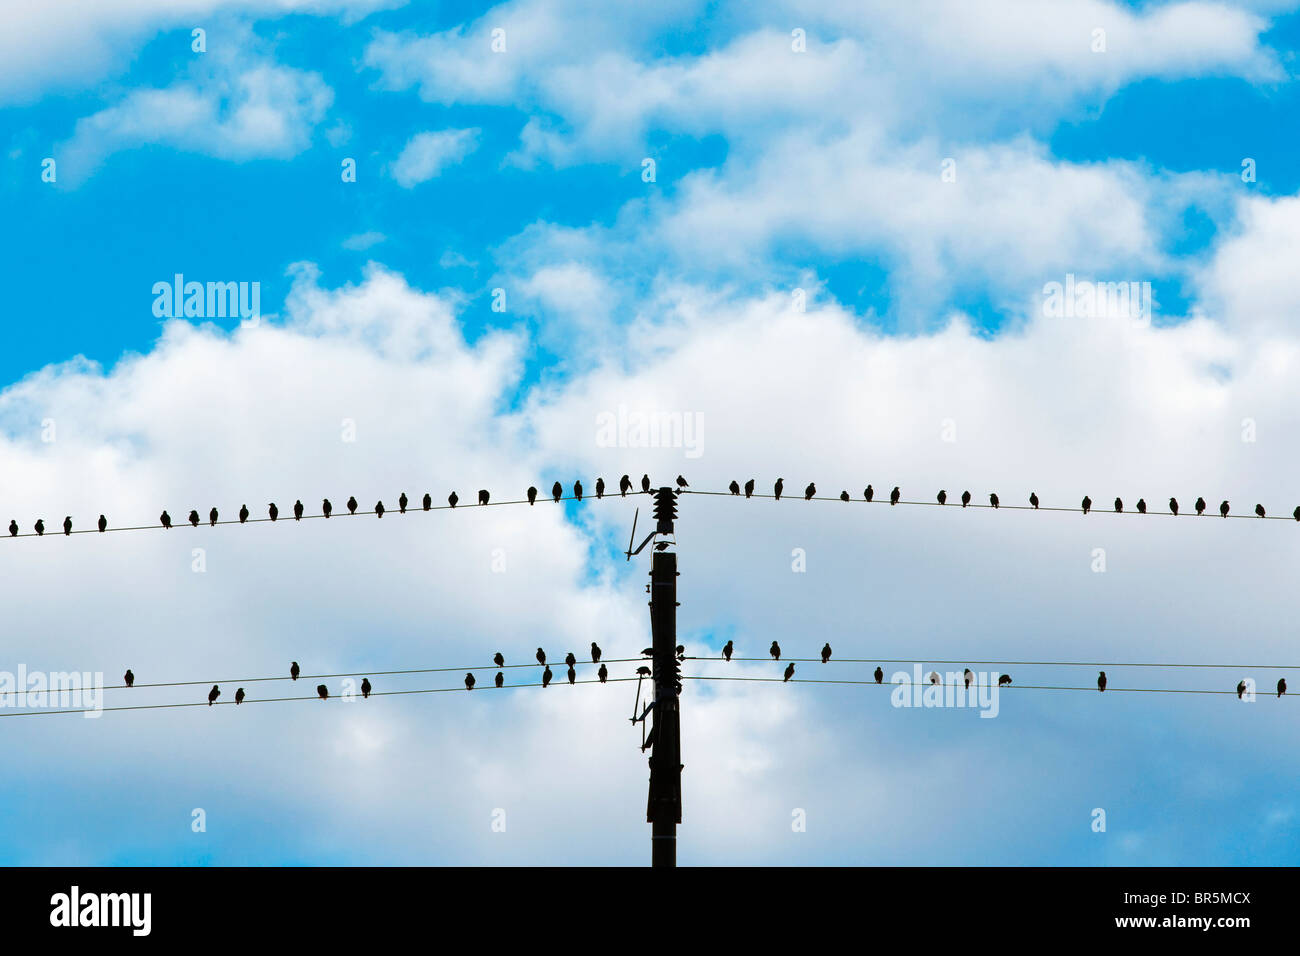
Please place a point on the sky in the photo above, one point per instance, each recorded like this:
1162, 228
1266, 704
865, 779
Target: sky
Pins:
824, 235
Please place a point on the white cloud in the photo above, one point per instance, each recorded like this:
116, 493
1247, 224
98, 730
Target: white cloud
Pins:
363, 241
426, 155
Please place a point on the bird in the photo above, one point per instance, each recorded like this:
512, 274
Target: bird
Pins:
1119, 504
322, 692
532, 495
681, 652
213, 695
600, 488
273, 511
595, 653
212, 517
243, 513
352, 504
1033, 500
789, 670
577, 490
728, 649
556, 492
603, 673
648, 651
165, 518
967, 677
427, 501
1259, 510
572, 675
483, 496
1004, 680
67, 524
934, 678
13, 526
775, 651
893, 496
1101, 681
365, 687
401, 503
499, 659
809, 492
965, 498
546, 677
541, 657
1142, 506
624, 485
569, 659
500, 679
469, 681
844, 496
1281, 686
1296, 514
1087, 504
643, 671
942, 497
297, 510
128, 678
1173, 506
681, 482
778, 488
1223, 507
294, 670
826, 652
326, 507
734, 487
645, 483
879, 675
993, 500
1241, 689
379, 509
194, 518
1200, 506
239, 696
749, 488
40, 525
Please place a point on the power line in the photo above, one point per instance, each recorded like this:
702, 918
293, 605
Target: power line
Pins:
872, 683
933, 660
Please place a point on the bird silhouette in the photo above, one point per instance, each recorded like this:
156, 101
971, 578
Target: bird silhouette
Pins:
128, 678
532, 495
569, 659
894, 495
1281, 686
500, 679
273, 511
1200, 506
483, 496
546, 677
194, 518
1259, 510
643, 671
879, 675
1101, 681
624, 485
778, 488
749, 488
352, 504
294, 670
934, 678
1033, 500
212, 517
993, 500
1119, 504
1087, 504
1223, 507
868, 493
556, 492
401, 503
365, 687
243, 513
681, 482
323, 692
967, 677
809, 491
1241, 689
13, 527
844, 496
603, 673
942, 497
1173, 506
297, 510
789, 670
572, 675
826, 652
681, 651
775, 651
427, 501
40, 526
600, 488
595, 653
239, 696
645, 483
541, 656
67, 524
469, 682
727, 649
1296, 514
1142, 506
213, 695
499, 659
648, 651
1004, 680
577, 490
965, 498
379, 509
165, 518
734, 487
326, 507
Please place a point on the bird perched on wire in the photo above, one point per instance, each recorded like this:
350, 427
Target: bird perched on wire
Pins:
965, 498
272, 510
826, 652
352, 503
212, 517
194, 518
213, 695
778, 488
297, 510
483, 496
239, 696
624, 485
577, 490
469, 681
1142, 506
728, 649
541, 657
603, 673
326, 507
967, 677
1101, 681
67, 524
643, 671
749, 489
1119, 504
1200, 506
40, 525
165, 518
775, 651
844, 496
993, 500
600, 488
734, 487
322, 692
1241, 689
427, 501
1223, 507
1087, 504
243, 513
789, 670
379, 509
500, 679
13, 527
128, 678
1033, 500
546, 677
879, 675
294, 670
934, 678
401, 503
557, 492
681, 651
1004, 680
1259, 510
365, 687
1296, 514
648, 651
499, 659
1173, 507
941, 497
868, 493
573, 675
532, 495
1281, 686
645, 483
681, 483
894, 495
595, 653
569, 659
809, 491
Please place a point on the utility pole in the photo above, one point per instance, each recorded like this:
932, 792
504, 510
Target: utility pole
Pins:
664, 808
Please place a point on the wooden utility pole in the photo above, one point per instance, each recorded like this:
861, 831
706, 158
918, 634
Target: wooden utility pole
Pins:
664, 807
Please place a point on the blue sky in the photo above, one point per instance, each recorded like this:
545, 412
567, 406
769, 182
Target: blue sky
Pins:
778, 167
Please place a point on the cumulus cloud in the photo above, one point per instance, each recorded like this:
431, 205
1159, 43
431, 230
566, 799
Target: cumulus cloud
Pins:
426, 155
